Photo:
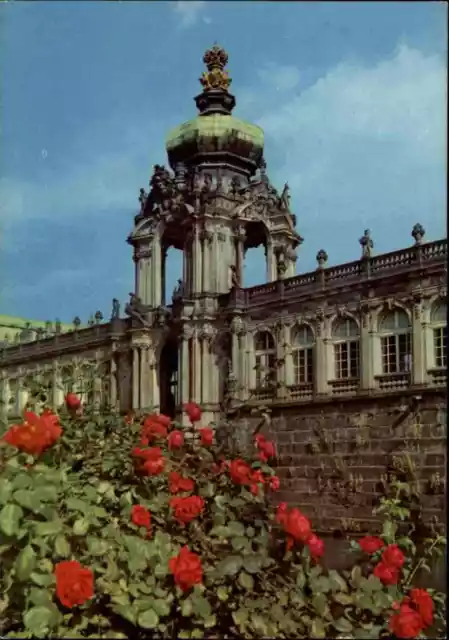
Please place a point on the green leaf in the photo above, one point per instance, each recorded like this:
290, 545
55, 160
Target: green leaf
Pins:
201, 606
320, 585
48, 528
81, 527
230, 566
373, 584
259, 623
42, 579
343, 598
317, 630
148, 619
28, 499
253, 563
39, 597
161, 607
39, 620
236, 528
337, 582
49, 493
10, 517
389, 531
98, 546
246, 581
62, 547
319, 603
356, 576
187, 608
343, 625
240, 542
220, 531
5, 490
222, 594
25, 563
240, 616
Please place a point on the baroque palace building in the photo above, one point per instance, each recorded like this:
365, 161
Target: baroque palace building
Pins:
367, 329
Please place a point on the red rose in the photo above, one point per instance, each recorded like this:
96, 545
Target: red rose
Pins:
393, 556
254, 489
407, 623
260, 439
153, 453
193, 411
266, 448
36, 434
179, 484
186, 509
240, 472
386, 573
257, 476
141, 517
281, 513
163, 419
297, 525
424, 603
74, 583
72, 401
371, 544
153, 467
316, 546
175, 440
152, 429
186, 569
274, 483
207, 436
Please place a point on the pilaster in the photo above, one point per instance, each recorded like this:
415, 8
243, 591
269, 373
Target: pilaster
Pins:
367, 338
418, 355
322, 364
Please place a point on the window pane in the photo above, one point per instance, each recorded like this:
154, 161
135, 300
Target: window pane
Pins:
389, 354
440, 342
404, 352
439, 312
302, 336
345, 328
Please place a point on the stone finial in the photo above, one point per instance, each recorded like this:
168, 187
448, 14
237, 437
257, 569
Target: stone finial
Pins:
76, 322
115, 309
48, 327
418, 233
367, 244
321, 258
98, 317
215, 77
58, 325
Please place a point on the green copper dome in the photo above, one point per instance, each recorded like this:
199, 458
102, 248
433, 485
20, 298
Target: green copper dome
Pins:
215, 135
216, 132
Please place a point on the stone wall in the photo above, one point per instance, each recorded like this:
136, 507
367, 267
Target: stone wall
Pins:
334, 456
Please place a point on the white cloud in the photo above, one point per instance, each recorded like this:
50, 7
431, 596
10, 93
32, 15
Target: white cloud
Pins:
188, 11
362, 146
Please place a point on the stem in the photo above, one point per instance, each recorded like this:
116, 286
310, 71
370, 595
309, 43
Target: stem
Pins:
420, 562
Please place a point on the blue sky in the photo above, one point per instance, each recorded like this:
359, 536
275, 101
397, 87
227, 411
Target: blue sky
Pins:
352, 98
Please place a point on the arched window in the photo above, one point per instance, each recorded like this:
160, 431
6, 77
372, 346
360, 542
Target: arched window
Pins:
265, 356
302, 355
438, 320
396, 348
346, 338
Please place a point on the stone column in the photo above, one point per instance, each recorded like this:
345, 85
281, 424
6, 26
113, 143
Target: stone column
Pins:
251, 363
215, 260
144, 375
366, 350
321, 361
113, 382
271, 262
288, 356
196, 259
196, 369
4, 395
184, 369
135, 378
419, 373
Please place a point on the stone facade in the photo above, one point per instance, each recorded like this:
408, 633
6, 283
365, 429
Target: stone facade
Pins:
348, 345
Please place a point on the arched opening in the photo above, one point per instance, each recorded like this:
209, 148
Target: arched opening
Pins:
168, 378
254, 268
172, 273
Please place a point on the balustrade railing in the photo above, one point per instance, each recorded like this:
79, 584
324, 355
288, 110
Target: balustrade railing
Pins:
348, 386
393, 381
367, 267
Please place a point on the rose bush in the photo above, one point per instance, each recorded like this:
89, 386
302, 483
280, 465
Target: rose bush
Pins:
112, 526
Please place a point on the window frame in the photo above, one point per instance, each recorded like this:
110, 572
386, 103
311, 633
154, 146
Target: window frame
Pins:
396, 344
349, 361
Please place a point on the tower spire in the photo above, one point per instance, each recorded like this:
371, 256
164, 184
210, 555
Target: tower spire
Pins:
215, 97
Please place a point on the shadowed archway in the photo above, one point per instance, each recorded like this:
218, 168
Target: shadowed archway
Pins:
168, 378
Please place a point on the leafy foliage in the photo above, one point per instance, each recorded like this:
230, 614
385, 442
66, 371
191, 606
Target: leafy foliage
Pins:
92, 543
